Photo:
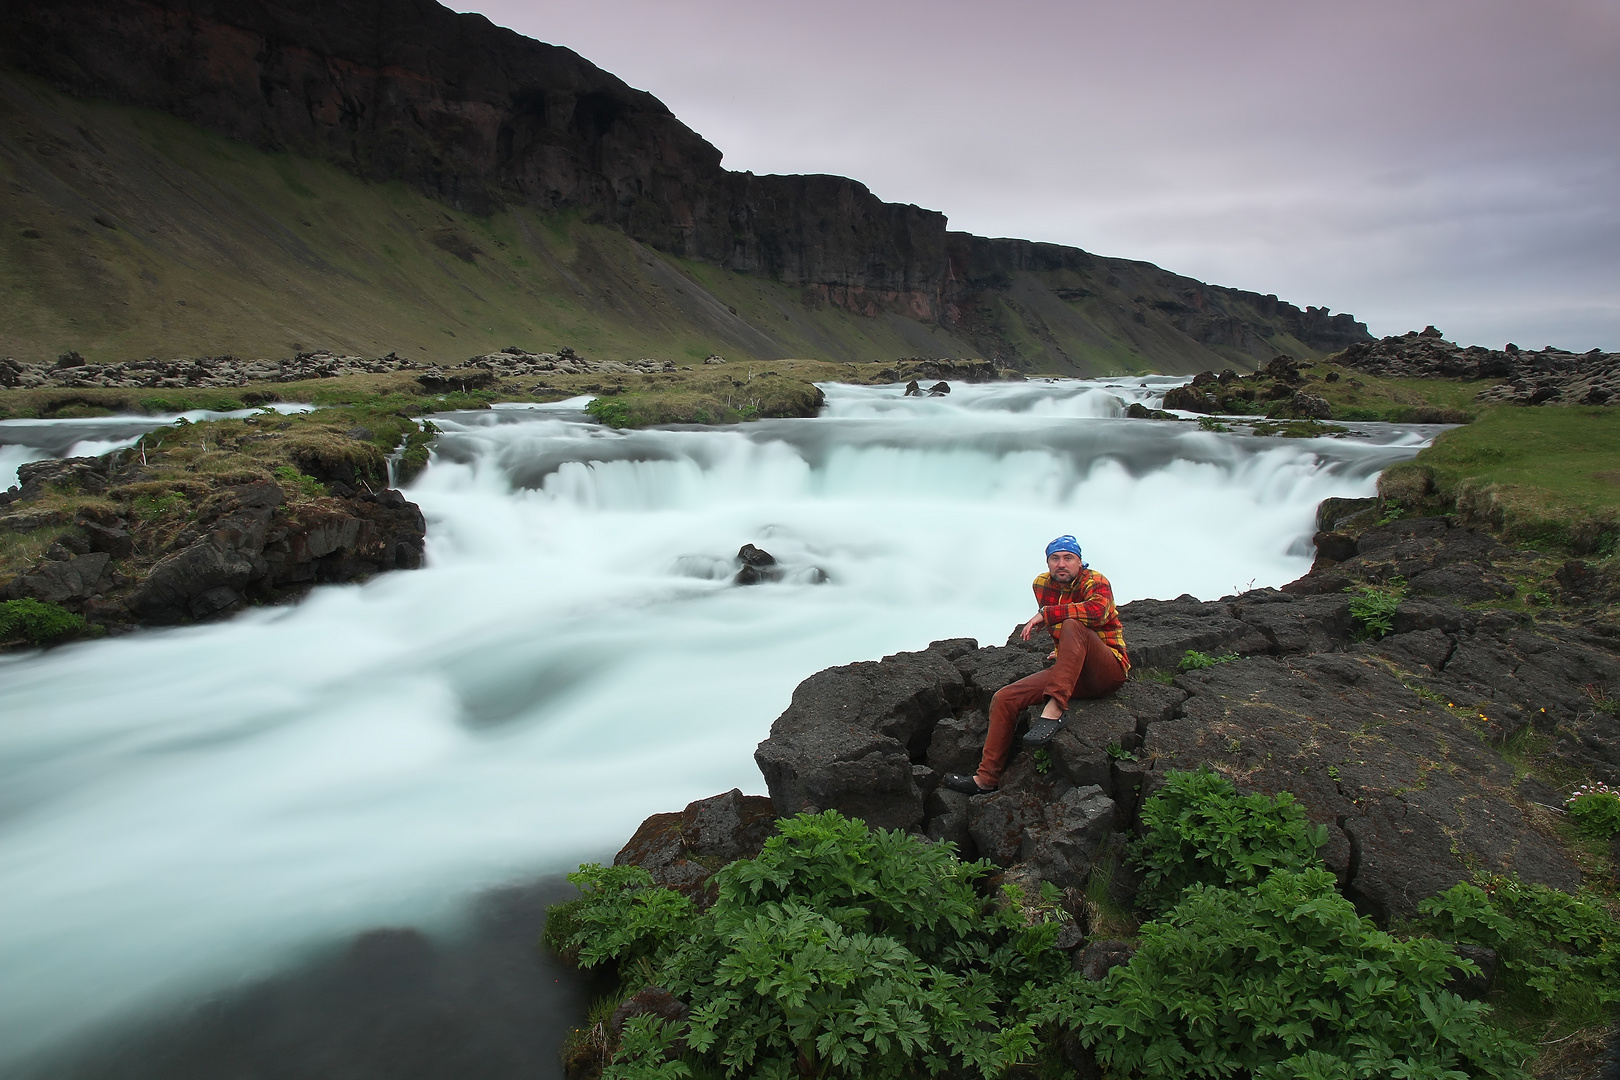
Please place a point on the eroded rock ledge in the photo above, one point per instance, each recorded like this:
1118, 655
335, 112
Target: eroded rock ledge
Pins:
245, 543
1395, 745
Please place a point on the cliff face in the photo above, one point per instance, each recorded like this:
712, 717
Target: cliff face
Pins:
481, 118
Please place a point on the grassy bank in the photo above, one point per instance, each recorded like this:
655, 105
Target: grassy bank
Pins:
1545, 477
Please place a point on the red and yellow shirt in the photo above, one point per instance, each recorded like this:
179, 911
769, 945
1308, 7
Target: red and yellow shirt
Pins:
1088, 598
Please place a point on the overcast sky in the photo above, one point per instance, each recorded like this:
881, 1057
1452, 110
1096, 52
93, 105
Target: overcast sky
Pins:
1454, 162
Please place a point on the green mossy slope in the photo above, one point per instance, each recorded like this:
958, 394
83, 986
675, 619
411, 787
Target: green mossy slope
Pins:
130, 233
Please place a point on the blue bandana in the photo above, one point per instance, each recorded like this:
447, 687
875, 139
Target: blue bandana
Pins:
1065, 543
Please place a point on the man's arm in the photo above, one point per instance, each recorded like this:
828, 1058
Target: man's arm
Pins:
1095, 606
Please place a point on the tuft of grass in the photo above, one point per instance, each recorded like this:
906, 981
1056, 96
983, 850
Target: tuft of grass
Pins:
302, 482
1297, 429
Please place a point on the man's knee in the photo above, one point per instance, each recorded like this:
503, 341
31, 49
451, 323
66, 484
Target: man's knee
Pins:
1077, 633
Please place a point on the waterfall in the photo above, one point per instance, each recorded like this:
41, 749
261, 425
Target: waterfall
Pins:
183, 809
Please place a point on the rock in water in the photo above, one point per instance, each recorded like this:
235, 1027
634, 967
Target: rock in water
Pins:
757, 565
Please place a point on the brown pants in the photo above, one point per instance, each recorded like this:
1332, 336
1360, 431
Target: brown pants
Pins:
1085, 668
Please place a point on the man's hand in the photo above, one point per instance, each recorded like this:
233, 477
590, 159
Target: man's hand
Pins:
1033, 625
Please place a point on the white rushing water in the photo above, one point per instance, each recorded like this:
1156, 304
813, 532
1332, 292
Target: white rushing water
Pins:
181, 809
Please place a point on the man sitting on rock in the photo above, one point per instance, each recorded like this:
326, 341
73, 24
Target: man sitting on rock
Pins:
1077, 604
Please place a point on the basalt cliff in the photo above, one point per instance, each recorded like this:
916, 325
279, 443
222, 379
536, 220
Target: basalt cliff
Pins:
482, 121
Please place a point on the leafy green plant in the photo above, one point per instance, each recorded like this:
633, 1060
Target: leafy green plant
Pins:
38, 622
1119, 753
838, 952
1596, 810
1373, 607
1199, 830
610, 412
1043, 761
1210, 423
1560, 952
1193, 660
1282, 981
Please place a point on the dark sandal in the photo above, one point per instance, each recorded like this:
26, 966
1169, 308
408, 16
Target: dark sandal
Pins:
967, 785
1041, 731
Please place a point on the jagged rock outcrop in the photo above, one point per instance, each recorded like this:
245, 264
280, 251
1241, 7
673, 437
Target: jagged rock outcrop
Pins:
480, 118
245, 543
1551, 376
1393, 744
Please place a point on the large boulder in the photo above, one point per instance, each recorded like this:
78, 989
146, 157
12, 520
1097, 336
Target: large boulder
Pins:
60, 581
850, 736
682, 850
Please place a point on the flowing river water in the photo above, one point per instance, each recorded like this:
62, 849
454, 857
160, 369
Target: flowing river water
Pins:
185, 811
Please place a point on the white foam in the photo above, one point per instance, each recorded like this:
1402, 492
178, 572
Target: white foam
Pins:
184, 808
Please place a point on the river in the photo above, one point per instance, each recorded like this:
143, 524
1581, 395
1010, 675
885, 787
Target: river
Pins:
185, 811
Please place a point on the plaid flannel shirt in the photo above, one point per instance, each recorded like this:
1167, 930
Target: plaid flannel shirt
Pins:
1088, 598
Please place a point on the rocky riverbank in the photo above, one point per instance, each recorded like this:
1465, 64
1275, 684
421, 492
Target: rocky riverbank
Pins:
123, 558
1549, 376
202, 520
1437, 751
72, 370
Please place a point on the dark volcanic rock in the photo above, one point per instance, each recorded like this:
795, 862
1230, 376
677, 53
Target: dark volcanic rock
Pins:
1421, 796
852, 733
1162, 631
682, 850
1393, 745
1097, 959
243, 544
756, 565
58, 582
1529, 378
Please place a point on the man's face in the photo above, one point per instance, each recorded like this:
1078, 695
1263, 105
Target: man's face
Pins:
1064, 566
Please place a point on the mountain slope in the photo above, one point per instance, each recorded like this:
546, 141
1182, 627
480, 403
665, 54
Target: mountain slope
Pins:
365, 138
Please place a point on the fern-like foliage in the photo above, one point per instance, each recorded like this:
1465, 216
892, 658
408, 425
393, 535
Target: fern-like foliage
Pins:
1283, 981
1199, 830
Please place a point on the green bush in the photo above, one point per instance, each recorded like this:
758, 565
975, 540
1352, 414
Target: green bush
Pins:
1279, 982
38, 622
838, 952
1560, 952
1193, 660
1199, 830
1373, 607
1596, 810
610, 412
